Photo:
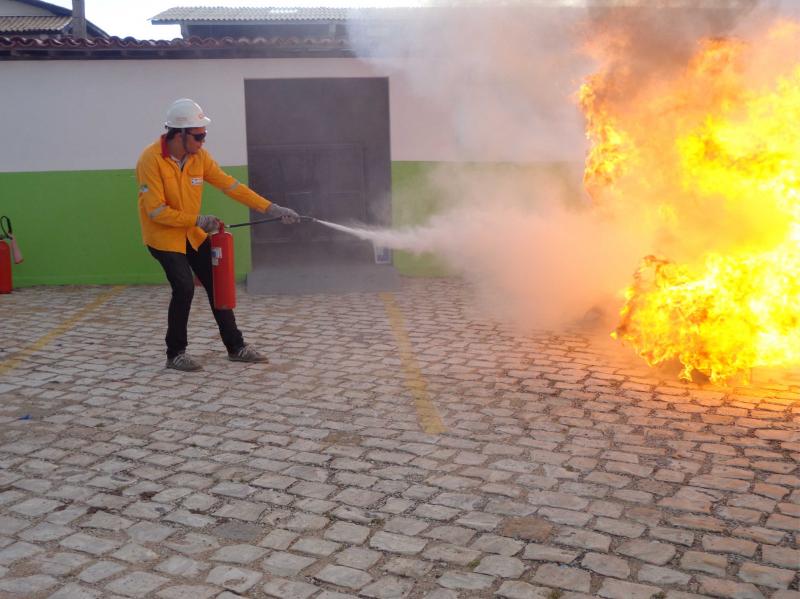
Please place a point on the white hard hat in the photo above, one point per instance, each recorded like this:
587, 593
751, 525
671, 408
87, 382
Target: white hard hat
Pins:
186, 114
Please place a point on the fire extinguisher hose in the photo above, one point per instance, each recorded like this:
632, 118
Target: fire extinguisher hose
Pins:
269, 220
5, 228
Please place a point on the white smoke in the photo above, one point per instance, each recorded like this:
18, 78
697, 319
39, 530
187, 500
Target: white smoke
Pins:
502, 80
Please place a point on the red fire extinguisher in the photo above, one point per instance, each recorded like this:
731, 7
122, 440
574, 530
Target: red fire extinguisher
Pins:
6, 232
222, 271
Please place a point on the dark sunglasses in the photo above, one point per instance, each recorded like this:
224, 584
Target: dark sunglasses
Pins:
198, 136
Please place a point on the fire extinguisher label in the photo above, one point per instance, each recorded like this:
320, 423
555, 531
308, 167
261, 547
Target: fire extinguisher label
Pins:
216, 255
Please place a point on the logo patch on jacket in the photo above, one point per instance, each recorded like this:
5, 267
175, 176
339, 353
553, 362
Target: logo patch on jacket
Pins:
197, 180
144, 189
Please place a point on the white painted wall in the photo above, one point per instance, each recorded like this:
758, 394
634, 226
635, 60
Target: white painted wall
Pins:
93, 115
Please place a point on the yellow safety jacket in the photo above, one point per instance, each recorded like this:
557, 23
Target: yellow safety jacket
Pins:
170, 197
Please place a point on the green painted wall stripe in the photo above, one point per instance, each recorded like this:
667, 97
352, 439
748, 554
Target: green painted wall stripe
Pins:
82, 227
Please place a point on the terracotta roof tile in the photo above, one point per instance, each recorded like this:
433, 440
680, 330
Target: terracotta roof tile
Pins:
29, 48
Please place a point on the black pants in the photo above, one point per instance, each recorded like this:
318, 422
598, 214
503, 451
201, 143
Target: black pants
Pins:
178, 268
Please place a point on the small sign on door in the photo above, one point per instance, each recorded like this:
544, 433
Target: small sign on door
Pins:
382, 255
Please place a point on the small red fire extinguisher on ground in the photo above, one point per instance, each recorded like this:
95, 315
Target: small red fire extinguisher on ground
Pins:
222, 271
6, 232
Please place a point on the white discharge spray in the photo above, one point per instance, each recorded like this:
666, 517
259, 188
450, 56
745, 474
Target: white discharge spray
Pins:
416, 240
537, 267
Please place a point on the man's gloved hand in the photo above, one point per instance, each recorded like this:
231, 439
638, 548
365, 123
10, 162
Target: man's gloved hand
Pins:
287, 215
208, 223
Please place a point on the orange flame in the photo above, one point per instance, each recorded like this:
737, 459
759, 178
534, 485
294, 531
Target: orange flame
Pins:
707, 156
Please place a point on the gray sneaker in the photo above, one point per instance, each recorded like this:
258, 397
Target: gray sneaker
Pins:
184, 362
247, 354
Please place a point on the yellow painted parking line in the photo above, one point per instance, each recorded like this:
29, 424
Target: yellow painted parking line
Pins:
426, 412
60, 329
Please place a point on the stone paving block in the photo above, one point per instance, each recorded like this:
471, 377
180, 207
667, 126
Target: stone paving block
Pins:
767, 576
388, 587
289, 589
607, 565
100, 571
345, 532
652, 552
563, 577
410, 568
500, 566
26, 586
782, 556
441, 594
18, 551
187, 518
522, 590
405, 525
187, 592
281, 563
465, 581
306, 523
193, 543
178, 565
728, 588
278, 539
60, 564
719, 544
662, 576
529, 528
622, 528
240, 510
497, 544
10, 526
344, 577
75, 591
452, 554
44, 532
705, 562
357, 557
235, 579
394, 543
451, 534
583, 539
238, 554
313, 546
136, 584
134, 554
479, 521
149, 532
546, 553
619, 589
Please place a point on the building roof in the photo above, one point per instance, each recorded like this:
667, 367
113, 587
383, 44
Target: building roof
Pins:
204, 14
30, 24
28, 48
58, 14
195, 15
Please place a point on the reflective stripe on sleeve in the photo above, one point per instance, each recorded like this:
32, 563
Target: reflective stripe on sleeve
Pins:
234, 186
157, 211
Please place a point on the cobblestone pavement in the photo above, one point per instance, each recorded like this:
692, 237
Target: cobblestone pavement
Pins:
397, 446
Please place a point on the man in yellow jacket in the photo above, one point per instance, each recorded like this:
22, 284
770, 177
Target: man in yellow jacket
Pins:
171, 173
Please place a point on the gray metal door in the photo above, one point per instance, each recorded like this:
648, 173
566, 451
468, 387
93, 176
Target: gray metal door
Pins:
321, 147
320, 180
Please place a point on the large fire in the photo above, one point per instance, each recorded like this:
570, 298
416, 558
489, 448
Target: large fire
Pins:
708, 156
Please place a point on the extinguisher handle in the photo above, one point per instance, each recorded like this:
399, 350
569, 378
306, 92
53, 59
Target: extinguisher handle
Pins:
220, 227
